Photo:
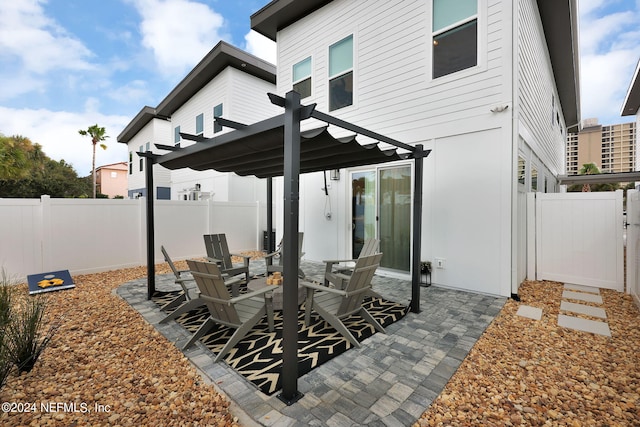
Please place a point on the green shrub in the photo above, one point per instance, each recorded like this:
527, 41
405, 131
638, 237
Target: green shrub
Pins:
6, 301
24, 333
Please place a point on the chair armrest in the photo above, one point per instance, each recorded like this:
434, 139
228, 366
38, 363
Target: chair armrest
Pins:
272, 254
245, 260
216, 260
318, 287
184, 279
336, 261
255, 293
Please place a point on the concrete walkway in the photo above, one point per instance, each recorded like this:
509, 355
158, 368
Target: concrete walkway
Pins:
389, 381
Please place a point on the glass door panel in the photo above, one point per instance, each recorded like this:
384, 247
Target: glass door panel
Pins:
395, 217
363, 209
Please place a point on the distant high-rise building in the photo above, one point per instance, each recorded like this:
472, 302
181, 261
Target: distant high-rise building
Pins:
612, 147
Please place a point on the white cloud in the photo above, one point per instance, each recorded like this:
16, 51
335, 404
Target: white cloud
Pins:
57, 132
37, 41
261, 46
178, 32
609, 52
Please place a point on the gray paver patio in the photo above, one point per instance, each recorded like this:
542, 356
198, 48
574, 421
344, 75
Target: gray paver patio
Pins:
389, 381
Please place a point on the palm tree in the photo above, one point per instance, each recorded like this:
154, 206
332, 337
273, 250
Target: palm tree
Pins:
97, 135
588, 169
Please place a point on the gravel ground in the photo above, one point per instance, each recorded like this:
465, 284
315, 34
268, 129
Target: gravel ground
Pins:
528, 372
117, 370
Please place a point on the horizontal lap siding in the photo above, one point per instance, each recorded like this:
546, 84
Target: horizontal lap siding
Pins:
393, 92
536, 88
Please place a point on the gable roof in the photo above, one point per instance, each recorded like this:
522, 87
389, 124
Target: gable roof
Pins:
631, 104
222, 55
559, 20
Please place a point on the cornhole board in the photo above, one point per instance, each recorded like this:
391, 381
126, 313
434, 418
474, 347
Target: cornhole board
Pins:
49, 282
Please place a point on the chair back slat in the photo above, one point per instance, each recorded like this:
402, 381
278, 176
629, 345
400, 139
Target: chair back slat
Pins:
360, 279
370, 247
217, 247
167, 259
211, 284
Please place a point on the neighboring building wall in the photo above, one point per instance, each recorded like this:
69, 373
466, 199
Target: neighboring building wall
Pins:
111, 180
157, 131
244, 99
613, 148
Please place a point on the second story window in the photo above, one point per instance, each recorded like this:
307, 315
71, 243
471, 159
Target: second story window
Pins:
130, 162
302, 77
217, 112
141, 160
199, 124
455, 36
176, 135
341, 74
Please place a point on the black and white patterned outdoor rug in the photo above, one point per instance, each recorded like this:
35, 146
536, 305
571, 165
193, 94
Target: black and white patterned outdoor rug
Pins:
258, 356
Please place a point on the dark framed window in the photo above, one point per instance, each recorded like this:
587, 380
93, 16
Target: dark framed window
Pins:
176, 135
130, 162
141, 161
199, 124
302, 77
217, 112
455, 36
341, 74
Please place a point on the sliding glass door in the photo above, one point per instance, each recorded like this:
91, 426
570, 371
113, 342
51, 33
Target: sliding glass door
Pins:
381, 208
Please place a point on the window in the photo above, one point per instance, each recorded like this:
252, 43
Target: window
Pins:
455, 36
130, 162
217, 112
521, 170
199, 124
302, 77
176, 135
141, 162
534, 179
341, 74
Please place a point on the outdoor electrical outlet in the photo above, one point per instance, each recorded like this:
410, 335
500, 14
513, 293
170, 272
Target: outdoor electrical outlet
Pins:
439, 262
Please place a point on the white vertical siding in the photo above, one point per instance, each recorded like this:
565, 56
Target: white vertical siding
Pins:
244, 99
394, 91
157, 131
537, 96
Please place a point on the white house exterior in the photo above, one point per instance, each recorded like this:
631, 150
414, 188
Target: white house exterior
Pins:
495, 117
228, 82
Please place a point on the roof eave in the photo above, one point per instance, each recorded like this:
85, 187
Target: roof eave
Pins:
631, 105
139, 121
560, 23
223, 55
279, 14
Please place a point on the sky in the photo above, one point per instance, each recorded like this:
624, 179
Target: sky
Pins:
68, 64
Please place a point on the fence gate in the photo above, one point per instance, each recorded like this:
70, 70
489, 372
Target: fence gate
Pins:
633, 245
579, 238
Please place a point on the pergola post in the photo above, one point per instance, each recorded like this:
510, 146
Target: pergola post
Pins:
151, 264
417, 229
290, 393
270, 242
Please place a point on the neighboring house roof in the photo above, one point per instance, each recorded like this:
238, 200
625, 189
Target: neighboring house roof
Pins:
139, 121
631, 103
223, 55
117, 166
559, 20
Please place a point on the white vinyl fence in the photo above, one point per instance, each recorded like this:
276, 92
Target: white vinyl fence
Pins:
94, 235
633, 245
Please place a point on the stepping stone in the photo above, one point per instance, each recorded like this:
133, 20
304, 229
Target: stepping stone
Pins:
583, 309
582, 288
578, 324
581, 296
530, 312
